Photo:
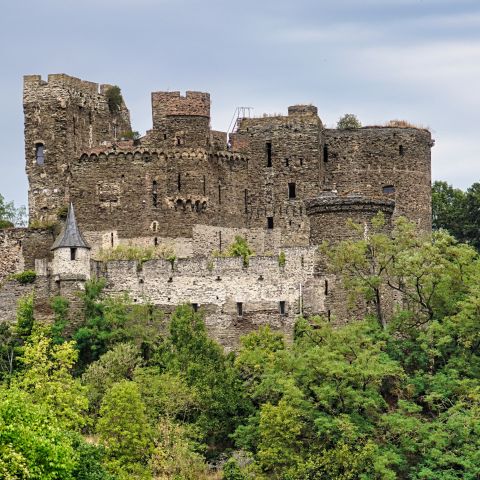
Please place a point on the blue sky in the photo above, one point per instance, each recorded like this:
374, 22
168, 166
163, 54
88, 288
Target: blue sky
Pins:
380, 59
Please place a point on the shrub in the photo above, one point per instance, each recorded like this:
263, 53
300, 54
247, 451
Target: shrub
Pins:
240, 248
130, 135
28, 276
114, 98
140, 254
349, 120
281, 259
62, 213
6, 224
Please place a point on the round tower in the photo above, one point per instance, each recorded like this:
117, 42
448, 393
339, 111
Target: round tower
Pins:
330, 213
71, 253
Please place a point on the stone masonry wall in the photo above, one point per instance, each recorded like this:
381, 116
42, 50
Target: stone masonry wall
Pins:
218, 286
65, 115
366, 160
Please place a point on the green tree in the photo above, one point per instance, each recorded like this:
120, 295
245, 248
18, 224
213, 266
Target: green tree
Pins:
189, 353
176, 453
349, 120
449, 209
47, 378
10, 215
32, 444
124, 430
112, 367
114, 98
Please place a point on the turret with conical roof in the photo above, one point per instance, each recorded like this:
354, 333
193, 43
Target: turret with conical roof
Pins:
71, 257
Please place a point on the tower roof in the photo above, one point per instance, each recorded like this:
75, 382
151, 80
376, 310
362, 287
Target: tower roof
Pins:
70, 236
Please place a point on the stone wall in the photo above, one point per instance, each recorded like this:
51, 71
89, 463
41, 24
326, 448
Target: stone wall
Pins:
157, 193
219, 285
383, 162
19, 247
66, 116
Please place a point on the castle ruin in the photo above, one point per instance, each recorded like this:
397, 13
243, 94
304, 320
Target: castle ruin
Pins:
285, 183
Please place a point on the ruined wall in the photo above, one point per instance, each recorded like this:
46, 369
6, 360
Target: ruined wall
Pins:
64, 116
157, 193
19, 247
282, 150
368, 160
219, 285
180, 121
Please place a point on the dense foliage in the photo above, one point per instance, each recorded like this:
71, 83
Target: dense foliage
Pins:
457, 211
124, 393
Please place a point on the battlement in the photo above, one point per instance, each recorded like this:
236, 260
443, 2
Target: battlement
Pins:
193, 104
65, 81
302, 110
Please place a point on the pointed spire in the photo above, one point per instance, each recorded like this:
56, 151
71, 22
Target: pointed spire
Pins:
70, 236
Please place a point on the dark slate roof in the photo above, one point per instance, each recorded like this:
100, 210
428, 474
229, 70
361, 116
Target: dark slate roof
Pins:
70, 236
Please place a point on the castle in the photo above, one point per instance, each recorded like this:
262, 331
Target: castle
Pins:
285, 183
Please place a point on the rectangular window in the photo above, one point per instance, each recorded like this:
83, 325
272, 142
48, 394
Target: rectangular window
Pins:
73, 253
179, 182
325, 153
269, 154
291, 190
219, 194
388, 189
239, 309
281, 307
39, 154
401, 150
154, 194
326, 287
246, 201
270, 223
195, 307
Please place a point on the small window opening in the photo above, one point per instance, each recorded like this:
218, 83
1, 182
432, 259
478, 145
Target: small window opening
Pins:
329, 315
269, 154
401, 150
179, 141
301, 162
111, 239
179, 182
73, 254
388, 189
164, 136
282, 307
270, 223
291, 190
155, 241
220, 241
155, 226
39, 153
154, 194
325, 153
302, 261
239, 309
246, 200
286, 162
326, 287
204, 185
219, 194
195, 307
